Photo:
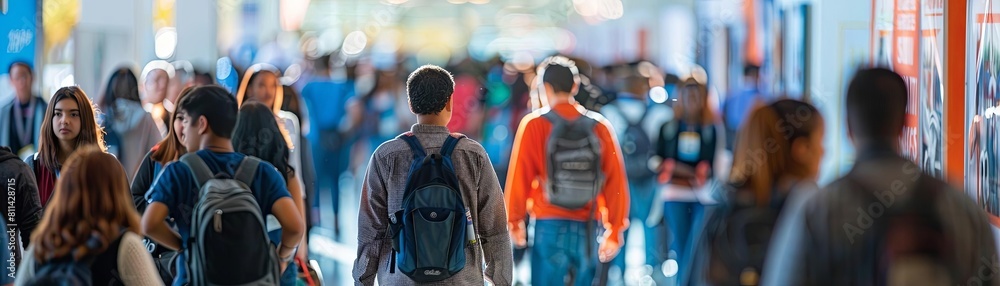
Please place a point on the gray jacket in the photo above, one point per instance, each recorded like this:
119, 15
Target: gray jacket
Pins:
826, 237
137, 132
382, 194
7, 108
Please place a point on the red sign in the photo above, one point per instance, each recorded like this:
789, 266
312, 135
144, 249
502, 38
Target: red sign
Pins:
905, 61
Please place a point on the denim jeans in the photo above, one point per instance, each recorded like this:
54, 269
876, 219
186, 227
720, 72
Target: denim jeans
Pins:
683, 222
642, 196
560, 249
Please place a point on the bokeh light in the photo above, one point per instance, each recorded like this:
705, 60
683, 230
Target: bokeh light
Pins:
165, 42
354, 43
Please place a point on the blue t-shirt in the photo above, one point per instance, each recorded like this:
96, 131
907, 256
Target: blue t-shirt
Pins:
327, 102
739, 106
177, 188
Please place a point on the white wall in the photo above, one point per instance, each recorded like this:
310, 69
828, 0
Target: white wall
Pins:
196, 32
109, 34
836, 33
112, 33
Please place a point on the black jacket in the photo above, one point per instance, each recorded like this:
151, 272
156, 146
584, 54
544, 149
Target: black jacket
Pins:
22, 195
144, 178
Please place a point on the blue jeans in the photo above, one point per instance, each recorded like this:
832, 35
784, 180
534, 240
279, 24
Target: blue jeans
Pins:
560, 249
329, 164
642, 196
683, 222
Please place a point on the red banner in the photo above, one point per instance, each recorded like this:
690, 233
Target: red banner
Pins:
905, 61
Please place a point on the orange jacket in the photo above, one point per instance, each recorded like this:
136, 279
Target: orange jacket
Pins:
529, 164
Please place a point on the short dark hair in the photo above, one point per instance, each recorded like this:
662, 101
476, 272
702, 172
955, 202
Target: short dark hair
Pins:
216, 104
876, 105
429, 88
751, 69
24, 64
560, 73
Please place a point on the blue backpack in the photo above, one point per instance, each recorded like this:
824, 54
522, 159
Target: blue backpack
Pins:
429, 232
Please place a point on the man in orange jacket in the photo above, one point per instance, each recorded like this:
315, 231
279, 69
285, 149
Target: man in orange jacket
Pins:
562, 236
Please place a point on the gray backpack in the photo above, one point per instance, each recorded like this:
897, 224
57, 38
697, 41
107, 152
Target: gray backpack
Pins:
574, 163
229, 243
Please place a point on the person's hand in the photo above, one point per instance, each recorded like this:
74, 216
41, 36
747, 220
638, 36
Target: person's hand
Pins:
608, 250
701, 173
518, 234
666, 171
283, 264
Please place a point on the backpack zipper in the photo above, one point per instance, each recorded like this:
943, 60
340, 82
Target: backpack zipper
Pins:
218, 220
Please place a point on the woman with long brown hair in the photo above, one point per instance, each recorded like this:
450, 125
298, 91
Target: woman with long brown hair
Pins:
70, 123
777, 156
167, 150
689, 145
91, 221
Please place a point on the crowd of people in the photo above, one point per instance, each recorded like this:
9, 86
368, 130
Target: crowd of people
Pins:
468, 171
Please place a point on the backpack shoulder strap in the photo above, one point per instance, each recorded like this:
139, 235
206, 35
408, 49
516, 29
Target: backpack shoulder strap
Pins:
450, 144
410, 139
642, 118
199, 170
248, 167
590, 119
554, 117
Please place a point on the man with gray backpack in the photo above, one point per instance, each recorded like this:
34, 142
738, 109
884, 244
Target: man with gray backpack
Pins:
219, 199
431, 204
575, 159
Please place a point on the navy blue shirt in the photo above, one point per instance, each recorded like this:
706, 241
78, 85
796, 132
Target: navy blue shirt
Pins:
177, 188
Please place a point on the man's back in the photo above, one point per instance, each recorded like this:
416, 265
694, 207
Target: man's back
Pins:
178, 189
827, 238
327, 102
383, 195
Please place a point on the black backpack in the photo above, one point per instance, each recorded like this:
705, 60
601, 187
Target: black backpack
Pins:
637, 147
67, 272
738, 234
909, 238
228, 244
430, 232
574, 161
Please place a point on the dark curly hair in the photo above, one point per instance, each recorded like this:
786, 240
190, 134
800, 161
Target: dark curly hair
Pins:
257, 134
429, 88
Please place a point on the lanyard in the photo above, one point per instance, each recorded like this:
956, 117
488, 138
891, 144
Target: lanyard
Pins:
23, 122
